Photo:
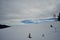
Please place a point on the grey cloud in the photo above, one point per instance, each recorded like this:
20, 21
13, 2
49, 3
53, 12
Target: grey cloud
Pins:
19, 9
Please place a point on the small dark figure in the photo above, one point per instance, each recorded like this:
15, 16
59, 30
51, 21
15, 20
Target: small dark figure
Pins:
51, 26
3, 26
59, 17
43, 35
29, 35
54, 15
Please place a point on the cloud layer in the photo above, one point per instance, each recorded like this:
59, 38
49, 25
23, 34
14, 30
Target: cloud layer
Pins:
21, 9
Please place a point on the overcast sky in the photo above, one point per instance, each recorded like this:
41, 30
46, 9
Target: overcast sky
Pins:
14, 10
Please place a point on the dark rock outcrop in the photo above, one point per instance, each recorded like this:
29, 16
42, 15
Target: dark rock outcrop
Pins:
59, 17
3, 26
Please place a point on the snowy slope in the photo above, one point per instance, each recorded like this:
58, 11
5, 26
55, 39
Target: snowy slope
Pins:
21, 32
